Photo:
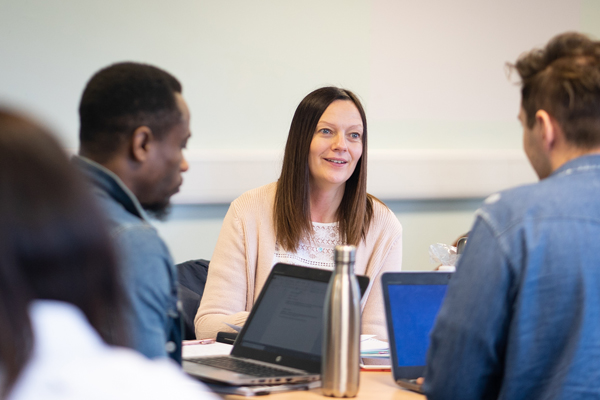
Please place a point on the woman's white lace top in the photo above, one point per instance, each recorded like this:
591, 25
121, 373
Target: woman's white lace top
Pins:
316, 251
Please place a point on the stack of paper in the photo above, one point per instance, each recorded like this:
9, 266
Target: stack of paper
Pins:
373, 348
213, 349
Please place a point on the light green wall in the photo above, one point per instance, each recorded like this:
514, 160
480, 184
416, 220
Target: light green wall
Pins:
423, 134
431, 75
590, 17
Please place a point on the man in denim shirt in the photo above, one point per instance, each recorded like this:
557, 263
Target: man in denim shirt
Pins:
521, 318
134, 126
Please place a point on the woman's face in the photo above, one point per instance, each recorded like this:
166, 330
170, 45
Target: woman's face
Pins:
336, 146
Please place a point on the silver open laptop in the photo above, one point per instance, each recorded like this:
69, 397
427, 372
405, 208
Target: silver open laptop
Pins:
282, 337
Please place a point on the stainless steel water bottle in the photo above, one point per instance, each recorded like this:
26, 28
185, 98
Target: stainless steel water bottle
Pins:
340, 366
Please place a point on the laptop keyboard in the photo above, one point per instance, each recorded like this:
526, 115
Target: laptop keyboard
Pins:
242, 367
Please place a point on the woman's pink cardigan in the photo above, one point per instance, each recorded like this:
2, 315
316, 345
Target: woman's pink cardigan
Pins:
245, 253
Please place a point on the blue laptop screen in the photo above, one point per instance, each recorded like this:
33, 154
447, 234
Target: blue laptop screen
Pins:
413, 310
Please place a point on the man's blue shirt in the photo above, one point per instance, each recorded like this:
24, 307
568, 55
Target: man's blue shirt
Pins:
521, 318
149, 276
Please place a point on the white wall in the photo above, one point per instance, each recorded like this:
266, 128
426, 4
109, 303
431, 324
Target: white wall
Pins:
431, 76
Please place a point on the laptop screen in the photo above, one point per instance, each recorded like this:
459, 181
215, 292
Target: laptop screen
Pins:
290, 318
285, 325
413, 310
412, 302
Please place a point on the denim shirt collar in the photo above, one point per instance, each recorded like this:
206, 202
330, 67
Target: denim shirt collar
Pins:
109, 182
580, 164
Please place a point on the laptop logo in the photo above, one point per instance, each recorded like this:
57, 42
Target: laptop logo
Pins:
278, 359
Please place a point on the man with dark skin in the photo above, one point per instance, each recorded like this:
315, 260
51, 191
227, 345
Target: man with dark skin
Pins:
134, 127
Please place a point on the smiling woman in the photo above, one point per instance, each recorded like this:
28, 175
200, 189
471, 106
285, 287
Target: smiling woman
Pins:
319, 201
335, 150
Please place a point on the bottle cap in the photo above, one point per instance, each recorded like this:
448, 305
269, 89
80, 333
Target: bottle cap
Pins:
345, 254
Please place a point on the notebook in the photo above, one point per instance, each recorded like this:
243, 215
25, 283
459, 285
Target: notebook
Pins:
412, 301
282, 337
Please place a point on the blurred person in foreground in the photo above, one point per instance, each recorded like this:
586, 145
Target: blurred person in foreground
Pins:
522, 313
61, 301
319, 201
134, 125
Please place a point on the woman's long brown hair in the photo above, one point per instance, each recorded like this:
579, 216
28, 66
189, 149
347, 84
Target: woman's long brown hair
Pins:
291, 212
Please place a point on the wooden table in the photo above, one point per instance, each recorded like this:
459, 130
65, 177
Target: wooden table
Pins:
373, 385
